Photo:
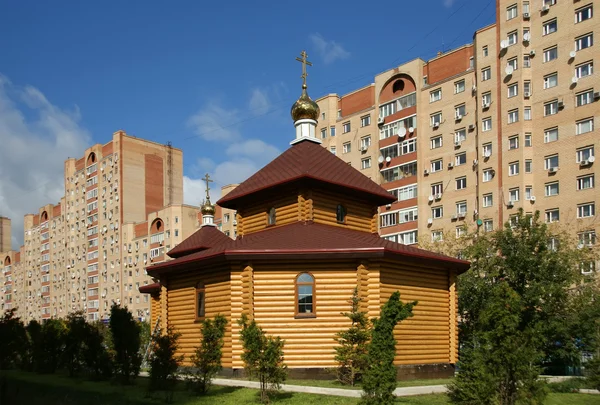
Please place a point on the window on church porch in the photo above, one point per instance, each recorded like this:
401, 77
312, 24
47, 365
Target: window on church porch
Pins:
341, 213
200, 301
272, 216
305, 288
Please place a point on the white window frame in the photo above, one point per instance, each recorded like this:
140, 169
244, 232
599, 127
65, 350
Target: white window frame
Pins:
551, 189
435, 95
584, 126
488, 200
513, 168
550, 54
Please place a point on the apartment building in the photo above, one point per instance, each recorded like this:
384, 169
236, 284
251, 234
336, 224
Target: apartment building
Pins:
467, 138
122, 210
225, 218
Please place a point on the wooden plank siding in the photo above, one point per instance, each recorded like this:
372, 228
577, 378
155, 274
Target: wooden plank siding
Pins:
360, 216
154, 309
181, 303
426, 337
254, 218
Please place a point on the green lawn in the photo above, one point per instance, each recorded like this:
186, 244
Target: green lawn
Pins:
335, 384
34, 389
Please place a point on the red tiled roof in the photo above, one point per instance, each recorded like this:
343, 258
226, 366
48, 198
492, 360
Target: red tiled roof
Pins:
308, 240
204, 238
308, 160
150, 288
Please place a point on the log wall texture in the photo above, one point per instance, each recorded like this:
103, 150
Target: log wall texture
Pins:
360, 216
254, 218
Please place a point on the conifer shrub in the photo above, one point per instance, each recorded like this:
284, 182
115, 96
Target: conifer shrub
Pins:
164, 363
379, 378
207, 357
351, 354
262, 357
125, 335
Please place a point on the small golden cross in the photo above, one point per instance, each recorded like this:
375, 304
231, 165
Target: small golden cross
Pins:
207, 180
304, 63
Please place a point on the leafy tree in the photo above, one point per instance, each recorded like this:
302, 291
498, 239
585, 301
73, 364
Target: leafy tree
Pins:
263, 357
13, 339
207, 358
379, 379
35, 353
351, 354
75, 340
164, 363
125, 333
516, 309
95, 351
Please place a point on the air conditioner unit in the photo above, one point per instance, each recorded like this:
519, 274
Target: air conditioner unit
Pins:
475, 213
457, 143
430, 221
545, 8
436, 124
388, 206
458, 116
362, 149
487, 154
485, 106
584, 163
574, 79
438, 196
474, 89
425, 172
532, 198
532, 53
431, 198
475, 162
450, 165
552, 169
526, 94
462, 214
510, 204
454, 217
526, 16
472, 127
380, 120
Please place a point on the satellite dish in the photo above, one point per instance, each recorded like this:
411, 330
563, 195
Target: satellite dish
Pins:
504, 44
572, 54
380, 160
592, 159
526, 36
388, 159
509, 70
402, 131
574, 79
411, 130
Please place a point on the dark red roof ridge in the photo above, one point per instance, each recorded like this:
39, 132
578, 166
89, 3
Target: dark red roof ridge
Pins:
204, 238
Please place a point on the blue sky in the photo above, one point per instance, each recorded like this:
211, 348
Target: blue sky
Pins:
216, 79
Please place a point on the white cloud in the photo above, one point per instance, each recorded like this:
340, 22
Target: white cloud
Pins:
259, 102
214, 123
35, 137
330, 51
253, 148
449, 3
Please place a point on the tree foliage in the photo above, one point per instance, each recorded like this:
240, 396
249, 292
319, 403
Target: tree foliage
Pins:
351, 354
75, 339
379, 379
262, 357
125, 334
164, 363
13, 340
207, 357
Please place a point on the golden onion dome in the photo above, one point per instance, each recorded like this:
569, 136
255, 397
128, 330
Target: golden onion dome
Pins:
207, 209
305, 107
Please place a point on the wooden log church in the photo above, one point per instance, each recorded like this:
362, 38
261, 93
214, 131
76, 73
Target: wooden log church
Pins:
307, 236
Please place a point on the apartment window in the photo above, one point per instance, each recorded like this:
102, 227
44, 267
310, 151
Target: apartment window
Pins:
551, 135
460, 111
551, 189
528, 166
346, 147
526, 7
460, 231
513, 37
332, 131
346, 127
460, 136
461, 208
551, 162
437, 236
527, 113
485, 50
513, 116
584, 97
549, 2
365, 142
487, 150
549, 27
583, 13
586, 210
405, 193
460, 159
459, 86
486, 74
584, 154
461, 183
365, 121
339, 114
399, 172
552, 215
584, 41
513, 142
488, 175
437, 212
390, 151
551, 108
513, 168
365, 163
550, 54
408, 215
486, 98
511, 12
513, 194
435, 119
323, 133
471, 62
526, 88
436, 165
528, 193
437, 188
390, 219
585, 182
585, 69
526, 61
488, 225
486, 124
332, 149
488, 200
513, 90
551, 80
435, 95
436, 142
513, 63
584, 126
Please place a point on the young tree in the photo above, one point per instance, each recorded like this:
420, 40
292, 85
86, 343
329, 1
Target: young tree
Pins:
207, 358
125, 333
75, 339
516, 308
13, 339
51, 346
379, 379
263, 357
351, 354
95, 353
164, 363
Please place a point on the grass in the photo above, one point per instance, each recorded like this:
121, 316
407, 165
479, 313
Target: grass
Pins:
336, 384
33, 389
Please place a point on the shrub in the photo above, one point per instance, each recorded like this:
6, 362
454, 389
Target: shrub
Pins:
13, 339
125, 334
263, 357
592, 370
207, 358
567, 386
164, 363
379, 379
351, 354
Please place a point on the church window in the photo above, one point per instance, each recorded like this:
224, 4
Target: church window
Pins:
341, 213
305, 289
272, 219
200, 301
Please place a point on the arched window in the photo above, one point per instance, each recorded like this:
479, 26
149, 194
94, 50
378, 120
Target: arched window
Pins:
340, 213
7, 261
272, 216
305, 295
91, 159
398, 86
200, 301
44, 216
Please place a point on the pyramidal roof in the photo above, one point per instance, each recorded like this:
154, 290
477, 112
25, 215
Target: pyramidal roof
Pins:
204, 238
308, 160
